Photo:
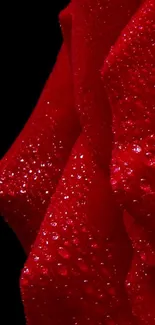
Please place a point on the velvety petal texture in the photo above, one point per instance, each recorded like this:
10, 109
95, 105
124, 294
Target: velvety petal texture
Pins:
79, 182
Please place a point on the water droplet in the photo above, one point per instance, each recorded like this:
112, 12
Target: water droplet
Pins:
69, 221
67, 243
76, 241
82, 265
128, 284
137, 148
53, 224
63, 252
94, 245
55, 236
26, 271
66, 197
62, 270
22, 191
48, 257
44, 270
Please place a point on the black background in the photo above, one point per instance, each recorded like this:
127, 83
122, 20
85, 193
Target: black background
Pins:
30, 41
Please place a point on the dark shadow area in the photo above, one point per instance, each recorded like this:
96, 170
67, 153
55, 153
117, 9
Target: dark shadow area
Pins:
30, 43
12, 260
31, 39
